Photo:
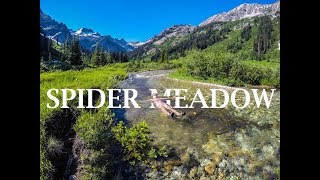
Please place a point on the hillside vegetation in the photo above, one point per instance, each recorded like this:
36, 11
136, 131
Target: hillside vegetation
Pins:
238, 53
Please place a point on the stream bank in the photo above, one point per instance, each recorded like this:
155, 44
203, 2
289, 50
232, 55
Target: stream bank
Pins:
207, 143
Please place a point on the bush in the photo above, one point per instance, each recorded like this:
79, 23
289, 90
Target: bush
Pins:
252, 75
234, 47
136, 142
198, 66
226, 68
93, 128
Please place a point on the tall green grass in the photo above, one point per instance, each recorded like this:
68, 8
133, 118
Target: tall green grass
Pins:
102, 78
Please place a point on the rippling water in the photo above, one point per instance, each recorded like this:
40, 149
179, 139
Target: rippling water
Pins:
251, 134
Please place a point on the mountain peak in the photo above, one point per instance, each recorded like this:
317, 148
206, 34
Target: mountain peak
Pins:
53, 29
245, 10
88, 38
86, 31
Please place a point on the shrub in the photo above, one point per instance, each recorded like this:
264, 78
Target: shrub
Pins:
234, 47
252, 76
136, 142
93, 128
198, 66
226, 65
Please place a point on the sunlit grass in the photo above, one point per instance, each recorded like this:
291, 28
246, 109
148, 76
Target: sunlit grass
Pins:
102, 78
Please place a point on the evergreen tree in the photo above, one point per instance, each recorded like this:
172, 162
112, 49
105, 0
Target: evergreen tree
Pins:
246, 33
162, 56
108, 58
99, 57
263, 40
75, 56
103, 57
119, 57
49, 50
65, 57
166, 56
96, 56
124, 57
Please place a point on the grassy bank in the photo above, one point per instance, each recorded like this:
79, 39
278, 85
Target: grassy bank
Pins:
90, 126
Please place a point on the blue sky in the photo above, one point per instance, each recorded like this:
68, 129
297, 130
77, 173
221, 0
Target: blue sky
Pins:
135, 20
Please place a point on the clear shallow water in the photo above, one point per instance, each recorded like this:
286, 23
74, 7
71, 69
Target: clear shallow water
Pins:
243, 142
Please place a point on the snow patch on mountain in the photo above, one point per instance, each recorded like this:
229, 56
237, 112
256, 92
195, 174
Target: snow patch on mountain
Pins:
245, 11
86, 33
136, 44
88, 38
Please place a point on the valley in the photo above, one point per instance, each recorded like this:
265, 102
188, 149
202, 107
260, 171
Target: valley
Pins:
227, 51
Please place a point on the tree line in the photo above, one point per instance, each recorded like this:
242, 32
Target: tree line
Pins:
71, 53
100, 57
263, 40
201, 38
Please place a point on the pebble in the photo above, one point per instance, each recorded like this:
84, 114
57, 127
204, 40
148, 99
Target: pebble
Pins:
216, 158
193, 172
203, 177
177, 171
200, 171
223, 163
210, 168
205, 162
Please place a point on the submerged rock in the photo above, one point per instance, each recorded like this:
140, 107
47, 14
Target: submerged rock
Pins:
223, 163
220, 176
200, 171
193, 172
268, 151
216, 158
170, 164
204, 177
177, 171
205, 162
210, 168
238, 143
153, 174
72, 177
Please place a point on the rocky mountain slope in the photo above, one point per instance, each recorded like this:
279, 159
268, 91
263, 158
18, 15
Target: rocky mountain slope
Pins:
172, 34
169, 37
53, 29
173, 31
245, 11
175, 34
89, 39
